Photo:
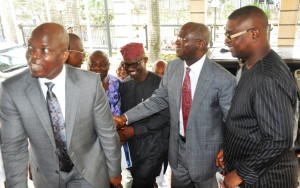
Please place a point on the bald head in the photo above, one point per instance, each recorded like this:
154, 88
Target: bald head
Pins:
100, 54
76, 50
199, 30
159, 67
75, 41
54, 33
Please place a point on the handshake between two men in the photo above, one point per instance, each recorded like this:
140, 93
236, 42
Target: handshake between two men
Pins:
125, 132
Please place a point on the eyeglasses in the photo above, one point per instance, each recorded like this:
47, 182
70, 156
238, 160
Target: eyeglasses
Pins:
185, 38
83, 52
133, 64
230, 37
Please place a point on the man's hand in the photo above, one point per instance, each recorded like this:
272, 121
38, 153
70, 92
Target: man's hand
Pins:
116, 182
232, 180
120, 121
220, 159
125, 133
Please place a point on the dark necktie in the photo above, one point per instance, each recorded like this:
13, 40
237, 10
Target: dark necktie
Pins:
186, 98
59, 130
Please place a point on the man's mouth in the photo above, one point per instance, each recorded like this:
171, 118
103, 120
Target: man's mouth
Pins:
132, 73
35, 67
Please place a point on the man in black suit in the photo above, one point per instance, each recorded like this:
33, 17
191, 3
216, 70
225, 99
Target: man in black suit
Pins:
147, 138
261, 122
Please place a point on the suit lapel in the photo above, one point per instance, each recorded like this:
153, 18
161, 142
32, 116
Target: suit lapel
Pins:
38, 102
72, 100
178, 82
203, 84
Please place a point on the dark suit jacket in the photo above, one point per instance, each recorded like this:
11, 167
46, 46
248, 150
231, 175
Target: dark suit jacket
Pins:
260, 126
149, 146
93, 143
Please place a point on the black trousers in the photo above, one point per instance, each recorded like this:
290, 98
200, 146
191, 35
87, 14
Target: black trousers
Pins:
144, 174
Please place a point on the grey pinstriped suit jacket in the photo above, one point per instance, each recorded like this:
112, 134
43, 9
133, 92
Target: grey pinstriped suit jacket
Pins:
210, 106
93, 143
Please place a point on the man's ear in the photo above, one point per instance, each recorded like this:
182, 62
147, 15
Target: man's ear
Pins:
145, 60
65, 56
255, 34
201, 44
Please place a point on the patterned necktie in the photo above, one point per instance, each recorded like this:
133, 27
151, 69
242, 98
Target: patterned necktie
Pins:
186, 98
59, 129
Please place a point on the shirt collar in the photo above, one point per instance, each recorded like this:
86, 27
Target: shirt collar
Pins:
197, 65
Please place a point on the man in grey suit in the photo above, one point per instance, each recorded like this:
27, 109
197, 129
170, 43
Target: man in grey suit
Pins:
192, 150
92, 143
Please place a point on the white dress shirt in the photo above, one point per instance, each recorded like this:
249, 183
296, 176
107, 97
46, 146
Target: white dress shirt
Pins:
58, 89
194, 75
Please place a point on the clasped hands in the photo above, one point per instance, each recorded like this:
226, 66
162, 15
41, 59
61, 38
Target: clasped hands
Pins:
125, 132
120, 121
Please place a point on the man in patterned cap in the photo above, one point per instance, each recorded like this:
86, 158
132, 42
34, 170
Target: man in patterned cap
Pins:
147, 138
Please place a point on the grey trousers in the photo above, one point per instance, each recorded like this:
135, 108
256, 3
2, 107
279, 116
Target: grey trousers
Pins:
73, 179
181, 177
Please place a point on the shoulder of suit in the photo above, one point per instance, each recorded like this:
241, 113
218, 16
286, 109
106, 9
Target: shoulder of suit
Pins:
19, 79
175, 61
79, 73
217, 67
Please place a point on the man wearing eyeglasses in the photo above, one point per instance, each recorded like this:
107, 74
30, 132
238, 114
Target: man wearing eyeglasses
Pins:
76, 51
261, 125
147, 138
198, 93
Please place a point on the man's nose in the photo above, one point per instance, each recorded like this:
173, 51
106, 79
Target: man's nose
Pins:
34, 53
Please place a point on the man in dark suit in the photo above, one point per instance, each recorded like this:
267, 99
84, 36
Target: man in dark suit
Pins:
261, 122
76, 145
195, 138
147, 138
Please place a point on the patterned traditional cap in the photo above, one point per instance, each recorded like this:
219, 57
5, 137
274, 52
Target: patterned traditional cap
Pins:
132, 50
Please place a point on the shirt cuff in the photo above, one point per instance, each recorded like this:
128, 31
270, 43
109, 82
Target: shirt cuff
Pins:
126, 118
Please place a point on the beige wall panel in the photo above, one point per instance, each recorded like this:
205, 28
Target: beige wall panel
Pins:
197, 6
197, 11
286, 42
287, 22
289, 17
289, 4
199, 18
286, 31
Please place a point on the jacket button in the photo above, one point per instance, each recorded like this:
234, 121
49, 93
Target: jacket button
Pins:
56, 171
